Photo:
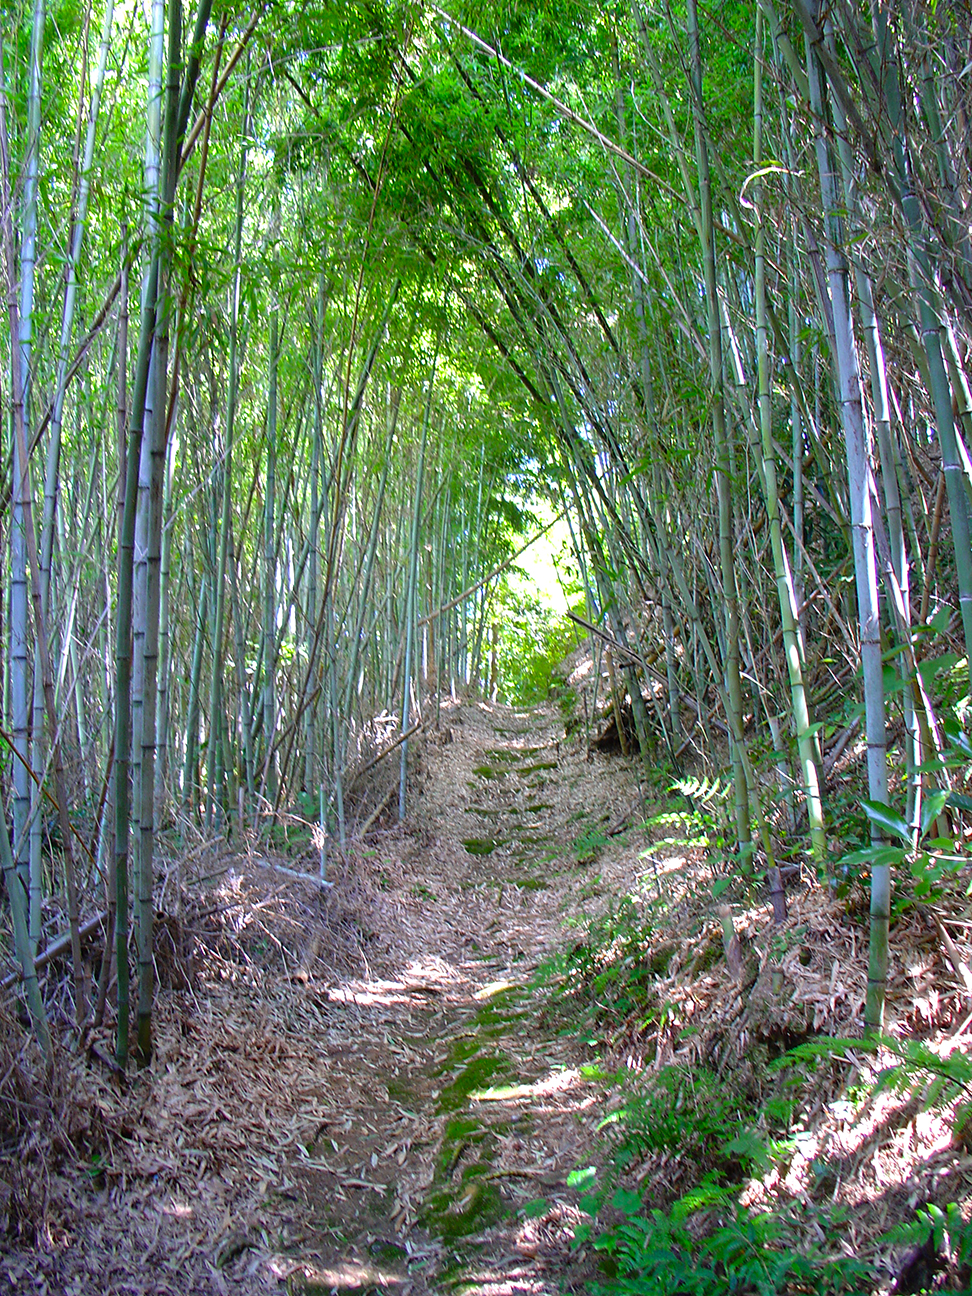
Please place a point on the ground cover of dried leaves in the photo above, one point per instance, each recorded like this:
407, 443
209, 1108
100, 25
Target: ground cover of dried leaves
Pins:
365, 1088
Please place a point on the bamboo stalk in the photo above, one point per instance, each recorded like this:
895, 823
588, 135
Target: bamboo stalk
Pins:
786, 594
216, 684
723, 449
849, 385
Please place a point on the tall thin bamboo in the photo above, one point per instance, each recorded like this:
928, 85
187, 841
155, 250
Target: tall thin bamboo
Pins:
723, 451
23, 946
411, 611
865, 567
164, 699
52, 474
270, 551
789, 613
312, 773
391, 416
190, 772
22, 339
889, 467
154, 400
216, 678
40, 629
156, 438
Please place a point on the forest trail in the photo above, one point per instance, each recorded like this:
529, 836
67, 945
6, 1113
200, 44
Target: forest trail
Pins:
370, 1091
361, 1090
457, 1113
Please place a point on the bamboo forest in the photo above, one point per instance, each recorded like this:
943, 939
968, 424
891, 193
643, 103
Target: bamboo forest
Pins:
486, 627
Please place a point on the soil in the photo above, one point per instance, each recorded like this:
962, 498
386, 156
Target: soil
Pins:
354, 1090
368, 1088
456, 1118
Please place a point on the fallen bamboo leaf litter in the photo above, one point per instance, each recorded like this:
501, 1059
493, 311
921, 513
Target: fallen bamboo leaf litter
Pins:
289, 1124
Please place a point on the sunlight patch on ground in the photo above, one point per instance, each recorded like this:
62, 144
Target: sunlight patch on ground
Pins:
429, 976
887, 1134
671, 864
494, 988
429, 971
558, 1082
179, 1210
348, 1276
512, 1284
376, 992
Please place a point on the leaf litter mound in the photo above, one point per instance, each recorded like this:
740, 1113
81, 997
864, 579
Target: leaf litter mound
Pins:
365, 1088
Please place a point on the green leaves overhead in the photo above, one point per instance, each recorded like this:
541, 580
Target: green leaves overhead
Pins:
529, 176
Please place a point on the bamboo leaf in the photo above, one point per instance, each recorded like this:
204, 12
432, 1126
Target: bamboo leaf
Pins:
933, 665
931, 807
876, 856
883, 817
957, 738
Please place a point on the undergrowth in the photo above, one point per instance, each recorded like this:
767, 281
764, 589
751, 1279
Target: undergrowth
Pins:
714, 1148
46, 1123
740, 1250
707, 1240
609, 969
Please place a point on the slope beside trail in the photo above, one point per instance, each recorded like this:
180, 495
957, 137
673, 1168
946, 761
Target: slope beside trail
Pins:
356, 1090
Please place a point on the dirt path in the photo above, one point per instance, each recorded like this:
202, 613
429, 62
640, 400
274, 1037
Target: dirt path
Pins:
355, 1091
455, 1116
367, 1091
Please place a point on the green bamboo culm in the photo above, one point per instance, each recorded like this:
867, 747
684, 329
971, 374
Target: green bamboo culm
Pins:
22, 947
720, 438
214, 770
410, 598
123, 660
789, 612
865, 569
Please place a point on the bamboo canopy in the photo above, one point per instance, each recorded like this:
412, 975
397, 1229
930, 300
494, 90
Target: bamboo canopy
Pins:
409, 284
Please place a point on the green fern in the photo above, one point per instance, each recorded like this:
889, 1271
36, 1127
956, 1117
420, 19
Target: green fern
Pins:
942, 1227
703, 791
747, 1252
939, 1080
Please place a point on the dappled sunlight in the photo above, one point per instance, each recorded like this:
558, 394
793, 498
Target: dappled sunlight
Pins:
381, 1073
496, 634
179, 1210
494, 988
346, 1276
385, 993
517, 1282
429, 975
557, 1083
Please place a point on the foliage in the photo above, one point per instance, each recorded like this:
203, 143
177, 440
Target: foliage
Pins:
707, 798
588, 844
938, 1079
533, 640
942, 1232
610, 967
690, 1112
548, 241
737, 1250
707, 1242
930, 860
